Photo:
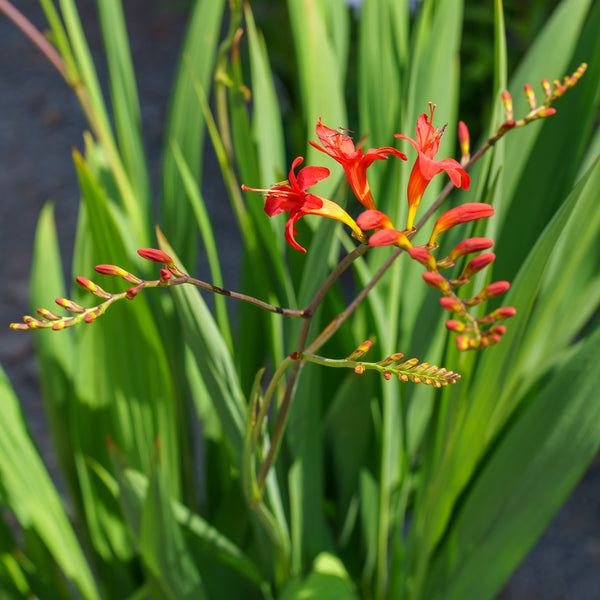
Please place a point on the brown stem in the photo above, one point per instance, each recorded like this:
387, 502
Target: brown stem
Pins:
36, 36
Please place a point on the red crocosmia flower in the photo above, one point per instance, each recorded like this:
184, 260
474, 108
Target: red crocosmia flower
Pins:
460, 214
426, 166
355, 162
292, 197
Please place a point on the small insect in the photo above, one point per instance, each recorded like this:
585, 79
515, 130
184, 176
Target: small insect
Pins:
341, 131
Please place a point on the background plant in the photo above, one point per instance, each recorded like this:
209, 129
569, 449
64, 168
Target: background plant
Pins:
483, 465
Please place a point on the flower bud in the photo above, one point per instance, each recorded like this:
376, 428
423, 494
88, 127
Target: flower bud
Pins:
492, 290
389, 237
70, 305
454, 325
508, 104
547, 88
90, 286
477, 264
529, 93
469, 246
157, 256
423, 256
460, 214
451, 304
435, 280
131, 293
373, 219
117, 272
464, 141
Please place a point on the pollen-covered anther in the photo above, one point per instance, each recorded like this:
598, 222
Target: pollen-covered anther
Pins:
435, 280
90, 286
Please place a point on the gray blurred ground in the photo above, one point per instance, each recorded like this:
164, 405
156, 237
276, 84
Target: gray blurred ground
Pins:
40, 122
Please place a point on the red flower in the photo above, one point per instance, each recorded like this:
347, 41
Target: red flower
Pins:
292, 197
341, 148
426, 166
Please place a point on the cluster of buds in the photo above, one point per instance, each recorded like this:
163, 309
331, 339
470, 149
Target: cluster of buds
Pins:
551, 92
406, 370
169, 275
474, 332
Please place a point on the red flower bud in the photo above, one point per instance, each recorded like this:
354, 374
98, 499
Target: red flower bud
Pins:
508, 104
530, 96
423, 256
451, 304
493, 289
117, 272
90, 286
373, 219
131, 293
165, 274
157, 256
436, 280
460, 214
469, 246
454, 325
503, 313
464, 141
389, 237
477, 264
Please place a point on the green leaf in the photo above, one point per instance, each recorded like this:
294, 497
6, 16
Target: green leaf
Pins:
185, 124
213, 359
328, 580
21, 471
125, 101
163, 548
529, 474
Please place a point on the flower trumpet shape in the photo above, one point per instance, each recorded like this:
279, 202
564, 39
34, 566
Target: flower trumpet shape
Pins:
426, 166
460, 214
292, 197
355, 162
